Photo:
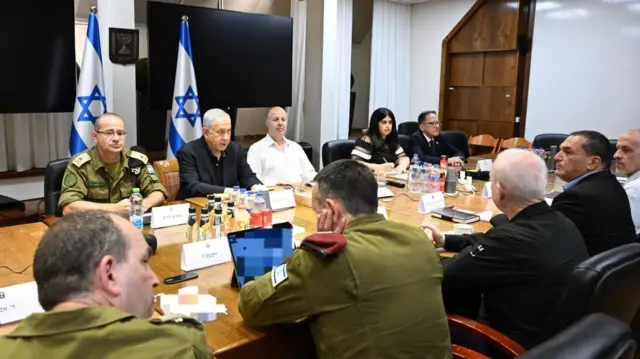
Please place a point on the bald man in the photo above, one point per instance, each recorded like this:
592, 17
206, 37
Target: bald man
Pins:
518, 270
212, 163
277, 160
628, 163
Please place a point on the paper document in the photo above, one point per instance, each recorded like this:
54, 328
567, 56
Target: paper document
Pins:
384, 192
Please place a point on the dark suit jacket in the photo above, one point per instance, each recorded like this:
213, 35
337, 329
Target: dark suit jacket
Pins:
197, 171
599, 207
420, 146
519, 270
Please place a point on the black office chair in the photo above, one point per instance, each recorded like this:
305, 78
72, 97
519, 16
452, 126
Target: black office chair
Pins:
457, 139
597, 336
546, 140
405, 143
53, 174
605, 283
337, 150
308, 150
408, 128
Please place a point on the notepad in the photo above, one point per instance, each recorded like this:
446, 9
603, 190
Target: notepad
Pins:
384, 192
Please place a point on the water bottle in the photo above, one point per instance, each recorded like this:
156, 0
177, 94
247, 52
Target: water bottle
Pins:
434, 183
250, 198
413, 174
135, 208
256, 213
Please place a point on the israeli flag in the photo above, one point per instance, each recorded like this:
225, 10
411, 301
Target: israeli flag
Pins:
90, 99
185, 110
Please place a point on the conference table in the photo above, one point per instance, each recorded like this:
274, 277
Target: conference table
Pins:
228, 336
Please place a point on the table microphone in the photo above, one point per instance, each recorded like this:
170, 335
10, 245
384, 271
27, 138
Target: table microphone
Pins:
152, 241
395, 184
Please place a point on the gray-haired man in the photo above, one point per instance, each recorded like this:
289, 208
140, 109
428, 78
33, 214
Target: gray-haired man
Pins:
516, 271
212, 163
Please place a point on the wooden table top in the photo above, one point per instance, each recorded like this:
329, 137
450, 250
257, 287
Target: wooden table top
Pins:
228, 336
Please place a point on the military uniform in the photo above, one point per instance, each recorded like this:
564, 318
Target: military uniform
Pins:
104, 332
87, 178
379, 297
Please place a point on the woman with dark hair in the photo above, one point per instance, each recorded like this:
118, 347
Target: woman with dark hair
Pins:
379, 148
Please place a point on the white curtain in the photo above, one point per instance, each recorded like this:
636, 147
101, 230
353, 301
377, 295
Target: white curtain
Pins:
390, 58
343, 65
31, 140
296, 114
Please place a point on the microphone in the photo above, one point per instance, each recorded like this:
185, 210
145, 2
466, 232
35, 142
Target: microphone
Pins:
152, 241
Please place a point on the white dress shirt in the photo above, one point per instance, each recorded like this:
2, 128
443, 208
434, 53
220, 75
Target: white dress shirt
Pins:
632, 186
273, 165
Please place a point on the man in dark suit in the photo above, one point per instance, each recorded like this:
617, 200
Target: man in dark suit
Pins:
593, 198
212, 163
512, 276
429, 145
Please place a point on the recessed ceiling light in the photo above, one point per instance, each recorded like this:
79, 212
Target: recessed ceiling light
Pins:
568, 14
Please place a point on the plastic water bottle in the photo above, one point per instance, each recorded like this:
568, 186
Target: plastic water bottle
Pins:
135, 208
256, 213
413, 174
235, 194
250, 198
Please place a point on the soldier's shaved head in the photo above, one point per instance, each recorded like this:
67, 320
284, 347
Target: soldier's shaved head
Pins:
96, 125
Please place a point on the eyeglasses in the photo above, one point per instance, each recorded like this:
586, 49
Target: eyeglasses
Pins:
111, 134
436, 123
221, 133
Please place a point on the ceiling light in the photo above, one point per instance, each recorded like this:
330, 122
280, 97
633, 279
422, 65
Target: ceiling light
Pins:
568, 14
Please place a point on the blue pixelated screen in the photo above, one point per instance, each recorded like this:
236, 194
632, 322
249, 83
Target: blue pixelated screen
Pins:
256, 251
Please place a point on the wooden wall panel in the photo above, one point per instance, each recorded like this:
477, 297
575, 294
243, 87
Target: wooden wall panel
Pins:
498, 103
464, 103
500, 68
482, 32
466, 69
469, 127
496, 129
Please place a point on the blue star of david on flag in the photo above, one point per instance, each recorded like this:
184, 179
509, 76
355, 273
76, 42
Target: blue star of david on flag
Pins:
86, 101
182, 111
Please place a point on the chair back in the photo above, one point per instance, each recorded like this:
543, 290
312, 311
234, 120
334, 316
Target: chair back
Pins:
168, 174
405, 143
515, 143
546, 140
337, 150
605, 283
457, 139
597, 336
486, 141
408, 128
53, 174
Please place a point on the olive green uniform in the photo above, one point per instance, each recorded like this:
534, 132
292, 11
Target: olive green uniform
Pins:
88, 178
104, 332
378, 298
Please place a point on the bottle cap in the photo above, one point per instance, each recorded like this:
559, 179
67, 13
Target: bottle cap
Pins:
204, 210
210, 197
236, 188
260, 194
192, 210
136, 190
217, 199
242, 190
218, 210
231, 204
250, 193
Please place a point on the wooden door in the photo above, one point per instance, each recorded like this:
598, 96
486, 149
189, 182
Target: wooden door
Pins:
484, 75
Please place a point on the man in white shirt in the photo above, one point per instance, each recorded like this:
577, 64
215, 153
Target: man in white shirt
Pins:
628, 163
277, 160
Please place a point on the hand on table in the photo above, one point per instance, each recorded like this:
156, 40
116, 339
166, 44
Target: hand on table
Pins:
386, 167
455, 161
123, 207
436, 236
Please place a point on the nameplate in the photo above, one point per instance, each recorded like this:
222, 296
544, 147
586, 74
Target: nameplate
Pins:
18, 302
279, 200
204, 254
431, 201
486, 190
484, 165
166, 216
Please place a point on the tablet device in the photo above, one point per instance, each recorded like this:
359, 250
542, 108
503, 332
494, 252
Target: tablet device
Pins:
258, 250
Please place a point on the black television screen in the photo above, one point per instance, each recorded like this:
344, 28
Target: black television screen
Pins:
37, 65
240, 59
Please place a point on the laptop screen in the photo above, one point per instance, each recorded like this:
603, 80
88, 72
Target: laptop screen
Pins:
256, 251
